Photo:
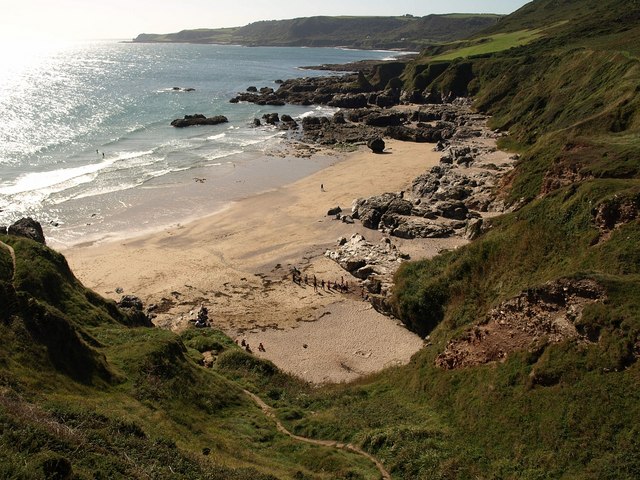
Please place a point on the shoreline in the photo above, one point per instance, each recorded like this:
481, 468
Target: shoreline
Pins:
237, 263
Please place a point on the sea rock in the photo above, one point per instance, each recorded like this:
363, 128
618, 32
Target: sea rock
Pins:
271, 118
376, 145
198, 119
28, 228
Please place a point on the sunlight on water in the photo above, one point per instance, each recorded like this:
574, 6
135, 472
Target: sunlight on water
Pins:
91, 120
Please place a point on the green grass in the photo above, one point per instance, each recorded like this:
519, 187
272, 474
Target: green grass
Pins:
491, 44
85, 388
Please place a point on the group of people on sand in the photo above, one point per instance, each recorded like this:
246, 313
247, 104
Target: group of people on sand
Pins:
297, 278
244, 344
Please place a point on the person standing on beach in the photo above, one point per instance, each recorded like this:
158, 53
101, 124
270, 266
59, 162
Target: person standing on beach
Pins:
322, 187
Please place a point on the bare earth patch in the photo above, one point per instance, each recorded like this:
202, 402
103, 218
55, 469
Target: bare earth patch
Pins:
547, 313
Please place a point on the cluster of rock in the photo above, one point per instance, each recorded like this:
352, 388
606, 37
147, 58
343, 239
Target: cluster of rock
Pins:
284, 122
198, 119
547, 314
449, 199
375, 264
346, 91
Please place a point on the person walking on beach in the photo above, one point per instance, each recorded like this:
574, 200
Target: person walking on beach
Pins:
315, 284
322, 187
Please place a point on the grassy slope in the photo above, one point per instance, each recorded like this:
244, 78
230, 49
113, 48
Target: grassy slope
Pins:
87, 387
570, 410
323, 31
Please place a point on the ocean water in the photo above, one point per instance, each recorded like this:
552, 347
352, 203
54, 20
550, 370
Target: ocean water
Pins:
86, 145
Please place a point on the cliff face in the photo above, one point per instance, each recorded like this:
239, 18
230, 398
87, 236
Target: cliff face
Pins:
408, 33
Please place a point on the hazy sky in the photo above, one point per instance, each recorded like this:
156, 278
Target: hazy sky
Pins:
124, 19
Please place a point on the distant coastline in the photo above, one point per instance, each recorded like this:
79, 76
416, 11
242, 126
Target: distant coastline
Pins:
404, 33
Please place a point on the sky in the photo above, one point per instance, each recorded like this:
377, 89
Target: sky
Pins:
125, 19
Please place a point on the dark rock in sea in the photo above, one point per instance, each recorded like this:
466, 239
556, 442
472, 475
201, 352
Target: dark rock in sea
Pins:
334, 211
279, 81
271, 118
234, 100
266, 90
28, 228
288, 122
198, 119
376, 145
252, 89
338, 118
257, 122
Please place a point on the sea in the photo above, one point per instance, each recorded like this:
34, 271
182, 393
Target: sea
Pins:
86, 146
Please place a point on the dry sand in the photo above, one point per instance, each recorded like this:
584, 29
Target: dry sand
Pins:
237, 262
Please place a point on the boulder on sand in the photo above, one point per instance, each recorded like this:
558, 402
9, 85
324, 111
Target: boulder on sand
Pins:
376, 145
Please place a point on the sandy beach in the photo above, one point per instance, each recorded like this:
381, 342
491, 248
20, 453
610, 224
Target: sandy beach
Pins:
237, 262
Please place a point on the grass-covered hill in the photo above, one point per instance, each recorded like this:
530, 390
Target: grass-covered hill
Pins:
89, 390
405, 32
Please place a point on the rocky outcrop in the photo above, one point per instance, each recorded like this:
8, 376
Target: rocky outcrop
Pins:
28, 228
371, 210
543, 315
375, 264
134, 308
198, 119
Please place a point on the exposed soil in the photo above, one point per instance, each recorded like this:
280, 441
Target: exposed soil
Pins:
547, 314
